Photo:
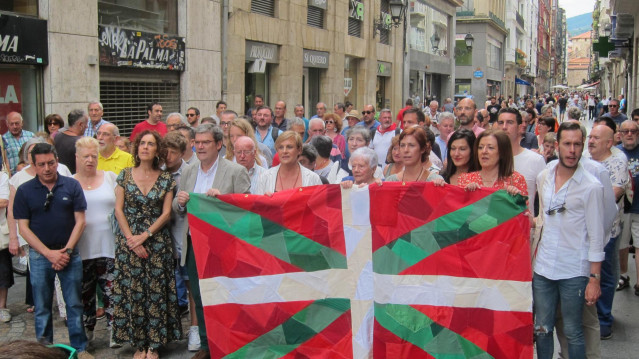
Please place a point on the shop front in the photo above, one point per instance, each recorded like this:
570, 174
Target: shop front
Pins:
261, 58
315, 65
23, 54
383, 87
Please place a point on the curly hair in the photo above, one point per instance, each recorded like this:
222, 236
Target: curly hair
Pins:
160, 154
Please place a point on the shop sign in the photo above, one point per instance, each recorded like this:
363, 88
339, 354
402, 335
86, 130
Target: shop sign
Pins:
129, 48
348, 85
23, 40
386, 21
318, 3
356, 10
10, 96
317, 59
383, 68
478, 74
260, 50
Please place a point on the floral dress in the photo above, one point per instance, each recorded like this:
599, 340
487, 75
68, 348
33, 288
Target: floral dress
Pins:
516, 179
145, 301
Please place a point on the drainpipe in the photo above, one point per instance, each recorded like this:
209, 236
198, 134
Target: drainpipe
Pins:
224, 34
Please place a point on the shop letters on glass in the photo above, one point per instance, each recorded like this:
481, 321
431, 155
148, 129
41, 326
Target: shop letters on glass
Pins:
23, 40
129, 48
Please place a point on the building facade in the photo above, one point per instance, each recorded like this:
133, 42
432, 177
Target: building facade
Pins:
305, 52
431, 49
479, 71
626, 31
542, 82
125, 54
517, 55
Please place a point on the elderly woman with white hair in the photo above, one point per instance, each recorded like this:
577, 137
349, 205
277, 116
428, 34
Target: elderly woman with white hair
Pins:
357, 137
363, 161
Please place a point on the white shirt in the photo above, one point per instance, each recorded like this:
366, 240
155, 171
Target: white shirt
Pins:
204, 180
97, 240
529, 164
566, 251
255, 173
269, 178
617, 166
380, 144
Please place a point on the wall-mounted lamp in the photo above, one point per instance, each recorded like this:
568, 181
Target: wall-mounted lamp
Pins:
469, 41
385, 21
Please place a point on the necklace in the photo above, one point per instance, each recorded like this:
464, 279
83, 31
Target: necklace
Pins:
282, 182
488, 182
416, 179
88, 181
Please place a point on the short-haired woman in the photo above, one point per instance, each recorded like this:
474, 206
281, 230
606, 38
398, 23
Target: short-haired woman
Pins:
415, 150
333, 124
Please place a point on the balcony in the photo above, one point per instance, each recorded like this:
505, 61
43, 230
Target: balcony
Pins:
465, 12
520, 19
496, 19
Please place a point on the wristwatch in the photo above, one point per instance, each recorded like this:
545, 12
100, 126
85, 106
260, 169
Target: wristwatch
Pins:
69, 251
597, 276
148, 231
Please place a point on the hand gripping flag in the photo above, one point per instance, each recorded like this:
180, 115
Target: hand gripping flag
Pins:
393, 271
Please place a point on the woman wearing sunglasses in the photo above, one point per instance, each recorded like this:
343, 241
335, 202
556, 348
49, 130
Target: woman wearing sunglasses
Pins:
333, 130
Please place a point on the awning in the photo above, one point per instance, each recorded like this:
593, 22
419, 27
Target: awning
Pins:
519, 81
589, 85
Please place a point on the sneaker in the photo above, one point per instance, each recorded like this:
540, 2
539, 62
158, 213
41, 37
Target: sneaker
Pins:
85, 355
90, 335
606, 332
624, 282
194, 339
112, 343
5, 317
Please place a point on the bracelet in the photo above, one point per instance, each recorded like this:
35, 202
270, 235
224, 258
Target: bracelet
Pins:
148, 231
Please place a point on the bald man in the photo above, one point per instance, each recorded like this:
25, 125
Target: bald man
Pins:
245, 155
600, 142
110, 157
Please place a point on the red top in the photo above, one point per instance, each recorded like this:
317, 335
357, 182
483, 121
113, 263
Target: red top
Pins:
516, 179
160, 128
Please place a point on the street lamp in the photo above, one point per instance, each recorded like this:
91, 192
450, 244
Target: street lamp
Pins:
607, 30
434, 41
397, 9
469, 41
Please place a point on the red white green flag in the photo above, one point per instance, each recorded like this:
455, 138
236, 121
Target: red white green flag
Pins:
393, 271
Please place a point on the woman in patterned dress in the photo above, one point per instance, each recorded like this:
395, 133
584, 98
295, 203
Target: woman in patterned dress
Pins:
494, 158
145, 301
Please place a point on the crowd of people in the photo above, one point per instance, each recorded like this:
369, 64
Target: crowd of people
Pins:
102, 218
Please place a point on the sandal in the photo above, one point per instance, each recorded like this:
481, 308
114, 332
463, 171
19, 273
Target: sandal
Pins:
31, 309
152, 354
624, 282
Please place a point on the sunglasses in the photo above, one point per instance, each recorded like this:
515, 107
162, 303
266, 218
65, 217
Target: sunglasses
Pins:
329, 121
367, 112
558, 209
47, 203
613, 105
191, 114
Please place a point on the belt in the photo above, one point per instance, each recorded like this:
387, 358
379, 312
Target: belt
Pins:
57, 246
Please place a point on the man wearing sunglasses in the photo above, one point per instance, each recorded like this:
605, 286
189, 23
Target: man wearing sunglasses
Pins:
567, 266
600, 143
368, 118
613, 112
50, 213
193, 116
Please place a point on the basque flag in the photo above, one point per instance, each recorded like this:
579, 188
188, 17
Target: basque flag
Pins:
393, 271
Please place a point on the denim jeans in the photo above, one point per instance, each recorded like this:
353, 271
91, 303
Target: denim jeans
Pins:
569, 294
609, 278
42, 281
181, 276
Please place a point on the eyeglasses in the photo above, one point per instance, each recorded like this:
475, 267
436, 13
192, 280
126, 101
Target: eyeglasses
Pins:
244, 152
367, 112
223, 123
191, 114
557, 209
47, 203
329, 121
613, 105
632, 132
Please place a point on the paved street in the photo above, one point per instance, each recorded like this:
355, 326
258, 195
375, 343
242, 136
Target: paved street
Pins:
623, 345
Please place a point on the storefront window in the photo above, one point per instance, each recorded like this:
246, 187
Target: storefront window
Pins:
350, 79
158, 16
255, 83
24, 7
428, 29
462, 88
20, 92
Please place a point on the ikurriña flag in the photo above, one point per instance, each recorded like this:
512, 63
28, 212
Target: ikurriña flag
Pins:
393, 271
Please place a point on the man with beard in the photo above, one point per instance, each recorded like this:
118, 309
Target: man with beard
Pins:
110, 157
465, 112
567, 266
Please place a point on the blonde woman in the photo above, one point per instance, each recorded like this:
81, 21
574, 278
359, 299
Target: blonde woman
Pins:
241, 127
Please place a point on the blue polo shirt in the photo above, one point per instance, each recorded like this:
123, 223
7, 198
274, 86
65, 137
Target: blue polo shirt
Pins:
54, 226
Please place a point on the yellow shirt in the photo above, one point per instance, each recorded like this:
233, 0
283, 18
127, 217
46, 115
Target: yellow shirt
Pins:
118, 161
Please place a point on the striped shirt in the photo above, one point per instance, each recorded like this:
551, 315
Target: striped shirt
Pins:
13, 144
91, 130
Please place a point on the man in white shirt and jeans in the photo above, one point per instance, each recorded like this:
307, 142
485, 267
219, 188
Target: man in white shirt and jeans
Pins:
568, 262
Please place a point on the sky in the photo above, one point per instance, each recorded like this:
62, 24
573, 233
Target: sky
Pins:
576, 7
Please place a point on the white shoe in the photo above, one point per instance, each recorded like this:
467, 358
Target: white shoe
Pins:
5, 317
112, 343
194, 339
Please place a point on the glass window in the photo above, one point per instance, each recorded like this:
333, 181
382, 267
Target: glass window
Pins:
494, 56
25, 7
428, 29
20, 91
159, 16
